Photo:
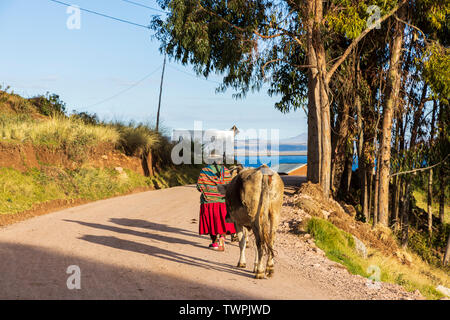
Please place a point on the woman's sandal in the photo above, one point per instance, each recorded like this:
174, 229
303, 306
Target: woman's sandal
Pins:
214, 246
221, 244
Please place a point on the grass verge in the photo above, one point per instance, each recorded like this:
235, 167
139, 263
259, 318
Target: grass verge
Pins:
21, 191
339, 246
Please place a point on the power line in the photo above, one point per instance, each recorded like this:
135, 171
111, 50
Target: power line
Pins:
144, 6
103, 15
125, 90
194, 76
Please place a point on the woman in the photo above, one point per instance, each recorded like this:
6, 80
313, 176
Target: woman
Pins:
212, 205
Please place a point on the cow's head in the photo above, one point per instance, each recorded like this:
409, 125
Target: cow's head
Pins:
235, 169
223, 191
222, 188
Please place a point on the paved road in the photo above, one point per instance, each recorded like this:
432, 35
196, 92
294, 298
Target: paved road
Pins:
140, 246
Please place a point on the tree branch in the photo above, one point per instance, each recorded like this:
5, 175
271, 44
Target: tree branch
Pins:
294, 65
420, 169
359, 38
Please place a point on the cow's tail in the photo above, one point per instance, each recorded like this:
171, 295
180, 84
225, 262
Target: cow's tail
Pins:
263, 215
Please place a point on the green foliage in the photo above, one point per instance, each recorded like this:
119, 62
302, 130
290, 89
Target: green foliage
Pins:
49, 105
337, 244
419, 243
436, 63
85, 117
349, 21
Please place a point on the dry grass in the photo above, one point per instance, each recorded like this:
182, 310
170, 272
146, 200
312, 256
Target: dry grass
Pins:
421, 202
56, 131
414, 275
312, 201
396, 265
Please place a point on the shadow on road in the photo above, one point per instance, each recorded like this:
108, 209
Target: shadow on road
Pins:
32, 272
138, 223
148, 235
122, 244
132, 246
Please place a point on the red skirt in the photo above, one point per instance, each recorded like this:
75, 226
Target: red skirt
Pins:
212, 219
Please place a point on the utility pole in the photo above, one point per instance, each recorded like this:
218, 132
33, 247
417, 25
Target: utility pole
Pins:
160, 93
235, 132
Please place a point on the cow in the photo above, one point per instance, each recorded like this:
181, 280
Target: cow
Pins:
254, 198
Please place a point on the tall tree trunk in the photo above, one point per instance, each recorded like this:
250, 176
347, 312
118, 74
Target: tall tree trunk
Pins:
369, 176
314, 114
388, 110
348, 180
340, 149
319, 139
375, 197
442, 175
429, 203
405, 215
362, 166
447, 251
325, 163
430, 176
396, 180
442, 197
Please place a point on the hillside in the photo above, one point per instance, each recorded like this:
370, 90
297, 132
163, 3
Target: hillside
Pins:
50, 160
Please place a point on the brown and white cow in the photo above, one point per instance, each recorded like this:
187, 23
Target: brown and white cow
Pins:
254, 198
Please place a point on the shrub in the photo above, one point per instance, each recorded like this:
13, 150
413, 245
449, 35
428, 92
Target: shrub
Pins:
136, 140
49, 105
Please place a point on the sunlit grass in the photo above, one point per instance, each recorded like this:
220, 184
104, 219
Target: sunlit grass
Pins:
56, 131
422, 202
20, 191
339, 246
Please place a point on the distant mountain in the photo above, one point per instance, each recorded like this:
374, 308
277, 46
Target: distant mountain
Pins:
300, 139
297, 143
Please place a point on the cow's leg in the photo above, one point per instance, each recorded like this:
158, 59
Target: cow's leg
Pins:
274, 220
270, 270
242, 236
259, 272
255, 265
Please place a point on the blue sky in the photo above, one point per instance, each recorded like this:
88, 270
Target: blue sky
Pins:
105, 57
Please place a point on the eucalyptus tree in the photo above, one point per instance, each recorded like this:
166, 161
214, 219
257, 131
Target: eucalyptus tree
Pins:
287, 44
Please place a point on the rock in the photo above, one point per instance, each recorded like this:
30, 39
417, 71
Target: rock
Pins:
122, 174
319, 251
326, 214
444, 290
310, 206
360, 247
349, 209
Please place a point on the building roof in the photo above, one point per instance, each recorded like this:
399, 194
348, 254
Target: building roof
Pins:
286, 168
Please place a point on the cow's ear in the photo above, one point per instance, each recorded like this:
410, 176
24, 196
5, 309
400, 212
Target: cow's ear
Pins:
222, 188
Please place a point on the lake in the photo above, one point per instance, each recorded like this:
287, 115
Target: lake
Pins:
256, 161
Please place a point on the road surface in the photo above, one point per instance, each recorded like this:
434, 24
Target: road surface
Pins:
140, 246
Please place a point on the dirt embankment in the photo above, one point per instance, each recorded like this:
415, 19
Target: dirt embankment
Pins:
23, 157
300, 253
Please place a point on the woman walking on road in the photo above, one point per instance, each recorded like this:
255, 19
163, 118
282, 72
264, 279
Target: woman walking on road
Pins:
212, 205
